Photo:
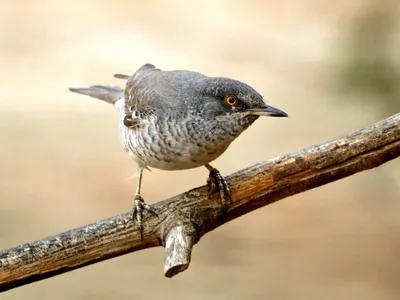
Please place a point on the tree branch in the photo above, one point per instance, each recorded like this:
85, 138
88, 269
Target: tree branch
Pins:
185, 218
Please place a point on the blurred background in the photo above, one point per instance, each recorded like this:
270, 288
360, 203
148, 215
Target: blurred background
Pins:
333, 66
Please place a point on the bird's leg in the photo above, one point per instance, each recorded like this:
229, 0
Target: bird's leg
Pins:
217, 183
139, 205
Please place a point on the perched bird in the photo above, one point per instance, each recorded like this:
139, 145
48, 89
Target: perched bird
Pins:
176, 120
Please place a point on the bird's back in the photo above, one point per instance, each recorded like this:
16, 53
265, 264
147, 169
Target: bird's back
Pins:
152, 91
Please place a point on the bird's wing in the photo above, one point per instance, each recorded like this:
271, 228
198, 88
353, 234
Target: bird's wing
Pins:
149, 91
134, 92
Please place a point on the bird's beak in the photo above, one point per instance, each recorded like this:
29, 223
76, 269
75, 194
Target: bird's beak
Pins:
267, 110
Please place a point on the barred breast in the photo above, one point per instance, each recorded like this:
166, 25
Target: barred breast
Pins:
171, 144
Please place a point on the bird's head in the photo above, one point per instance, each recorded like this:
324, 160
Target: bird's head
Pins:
234, 102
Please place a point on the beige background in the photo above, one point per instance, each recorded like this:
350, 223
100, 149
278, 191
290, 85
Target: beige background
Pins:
61, 164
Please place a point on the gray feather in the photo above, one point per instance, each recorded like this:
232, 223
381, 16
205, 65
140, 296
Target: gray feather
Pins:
121, 76
141, 72
109, 94
151, 91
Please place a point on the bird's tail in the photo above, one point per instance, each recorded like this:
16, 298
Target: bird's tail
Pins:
109, 94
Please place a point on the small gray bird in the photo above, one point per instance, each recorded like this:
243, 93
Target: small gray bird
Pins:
175, 120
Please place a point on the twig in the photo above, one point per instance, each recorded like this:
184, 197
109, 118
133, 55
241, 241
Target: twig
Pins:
185, 218
178, 248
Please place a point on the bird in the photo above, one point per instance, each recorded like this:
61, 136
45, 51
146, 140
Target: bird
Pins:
180, 119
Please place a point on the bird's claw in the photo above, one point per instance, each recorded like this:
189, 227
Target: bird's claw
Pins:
217, 183
138, 207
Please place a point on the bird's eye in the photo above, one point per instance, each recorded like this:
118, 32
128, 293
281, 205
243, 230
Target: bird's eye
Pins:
231, 100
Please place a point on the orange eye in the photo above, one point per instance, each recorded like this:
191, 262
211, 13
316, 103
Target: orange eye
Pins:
231, 100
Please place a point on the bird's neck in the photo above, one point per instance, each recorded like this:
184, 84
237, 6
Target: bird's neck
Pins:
229, 127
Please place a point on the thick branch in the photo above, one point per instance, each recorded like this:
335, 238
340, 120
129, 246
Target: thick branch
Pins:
183, 219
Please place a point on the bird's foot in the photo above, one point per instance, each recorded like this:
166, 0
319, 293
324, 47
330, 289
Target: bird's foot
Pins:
138, 207
217, 183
